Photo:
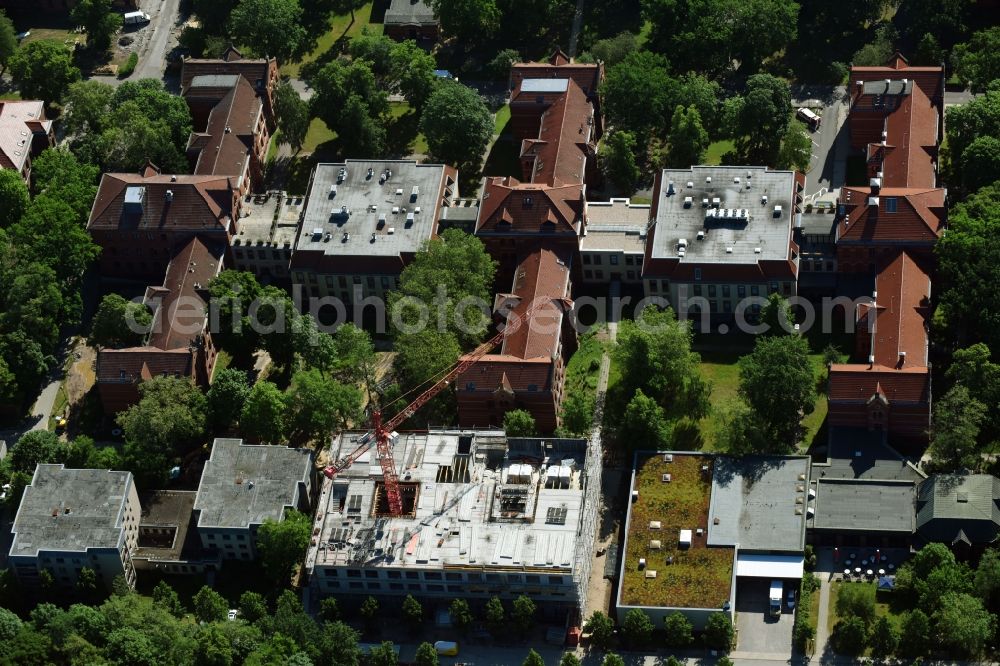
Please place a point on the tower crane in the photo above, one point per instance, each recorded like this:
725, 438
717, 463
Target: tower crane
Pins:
380, 432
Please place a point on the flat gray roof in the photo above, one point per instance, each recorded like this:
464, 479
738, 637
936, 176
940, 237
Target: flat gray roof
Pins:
888, 87
857, 453
244, 484
860, 505
728, 239
759, 503
258, 224
615, 225
344, 214
214, 80
544, 85
71, 510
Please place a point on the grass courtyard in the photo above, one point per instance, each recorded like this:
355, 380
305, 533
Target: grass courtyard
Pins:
341, 27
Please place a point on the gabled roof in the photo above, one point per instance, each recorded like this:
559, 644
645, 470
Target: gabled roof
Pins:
919, 217
959, 507
136, 364
409, 12
182, 312
20, 120
510, 206
230, 132
560, 152
858, 382
559, 65
231, 62
901, 309
198, 202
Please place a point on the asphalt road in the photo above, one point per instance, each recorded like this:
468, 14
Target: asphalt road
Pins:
164, 15
830, 141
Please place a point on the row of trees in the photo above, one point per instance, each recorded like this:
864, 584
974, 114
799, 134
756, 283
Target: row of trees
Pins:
44, 251
639, 631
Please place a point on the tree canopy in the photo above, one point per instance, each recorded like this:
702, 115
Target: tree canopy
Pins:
99, 20
293, 115
269, 27
119, 323
456, 124
758, 119
519, 423
778, 384
467, 19
282, 544
43, 70
14, 199
348, 99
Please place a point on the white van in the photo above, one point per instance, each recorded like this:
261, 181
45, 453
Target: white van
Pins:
809, 117
136, 18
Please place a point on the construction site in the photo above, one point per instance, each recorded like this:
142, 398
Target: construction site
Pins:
481, 515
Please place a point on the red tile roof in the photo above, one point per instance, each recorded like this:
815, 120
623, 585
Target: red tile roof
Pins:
136, 364
181, 316
908, 151
919, 217
858, 383
559, 65
510, 206
199, 203
231, 62
232, 126
563, 145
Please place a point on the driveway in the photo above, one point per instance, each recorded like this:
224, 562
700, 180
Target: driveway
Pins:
831, 142
759, 633
164, 22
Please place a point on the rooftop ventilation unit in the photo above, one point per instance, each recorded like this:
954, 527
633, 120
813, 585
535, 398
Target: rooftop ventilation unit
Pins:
873, 201
414, 193
704, 203
688, 201
326, 239
736, 180
651, 573
642, 563
701, 235
716, 202
763, 199
317, 233
729, 250
666, 478
670, 188
333, 191
668, 457
685, 538
341, 175
655, 544
690, 183
756, 250
655, 525
708, 180
346, 237
635, 495
391, 230
409, 218
777, 210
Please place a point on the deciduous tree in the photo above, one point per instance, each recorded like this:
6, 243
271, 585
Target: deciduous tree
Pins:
268, 27
963, 625
263, 416
35, 447
758, 119
796, 148
719, 632
43, 70
601, 629
209, 605
456, 124
8, 41
283, 544
519, 423
119, 323
777, 382
293, 115
467, 19
884, 638
618, 159
227, 395
677, 630
348, 99
978, 60
688, 138
955, 432
99, 20
14, 198
644, 424
638, 628
318, 405
426, 655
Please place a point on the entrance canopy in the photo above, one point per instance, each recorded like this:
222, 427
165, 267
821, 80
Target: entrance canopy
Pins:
754, 565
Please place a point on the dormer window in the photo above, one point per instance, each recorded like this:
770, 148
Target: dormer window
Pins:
528, 202
890, 204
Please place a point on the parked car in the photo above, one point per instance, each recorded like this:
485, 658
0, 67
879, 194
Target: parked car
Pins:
791, 599
809, 117
136, 18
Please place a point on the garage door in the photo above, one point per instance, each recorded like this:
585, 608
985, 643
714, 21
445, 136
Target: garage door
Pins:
754, 565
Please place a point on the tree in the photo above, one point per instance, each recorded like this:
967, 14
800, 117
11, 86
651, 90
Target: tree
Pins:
253, 607
461, 615
612, 50
213, 648
33, 448
612, 659
533, 659
986, 581
777, 316
99, 20
796, 148
369, 610
644, 423
522, 614
577, 414
758, 120
413, 612
963, 625
946, 19
456, 124
496, 616
209, 605
293, 115
227, 395
348, 99
467, 19
654, 353
169, 420
8, 41
857, 601
569, 659
166, 597
317, 405
43, 70
502, 63
915, 636
58, 173
979, 164
13, 197
719, 632
637, 627
777, 382
978, 61
263, 415
10, 624
119, 323
426, 655
282, 544
269, 27
639, 93
957, 418
849, 636
677, 630
130, 646
968, 261
884, 638
929, 52
354, 356
601, 629
878, 51
688, 138
519, 423
618, 159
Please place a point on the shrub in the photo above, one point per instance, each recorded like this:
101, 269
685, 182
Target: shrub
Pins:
126, 69
802, 630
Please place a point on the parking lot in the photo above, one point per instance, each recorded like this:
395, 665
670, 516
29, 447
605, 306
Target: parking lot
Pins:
830, 142
758, 631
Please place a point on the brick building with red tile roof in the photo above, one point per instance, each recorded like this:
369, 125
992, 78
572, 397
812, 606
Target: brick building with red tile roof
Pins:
892, 390
527, 372
179, 343
260, 73
889, 229
532, 227
141, 219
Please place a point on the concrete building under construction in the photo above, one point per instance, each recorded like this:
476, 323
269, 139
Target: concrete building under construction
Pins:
483, 516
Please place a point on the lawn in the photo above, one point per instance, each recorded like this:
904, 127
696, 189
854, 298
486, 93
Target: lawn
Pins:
698, 577
10, 95
500, 119
584, 367
404, 137
317, 135
721, 369
715, 151
340, 27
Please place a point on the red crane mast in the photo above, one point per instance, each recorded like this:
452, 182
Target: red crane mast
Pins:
380, 432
